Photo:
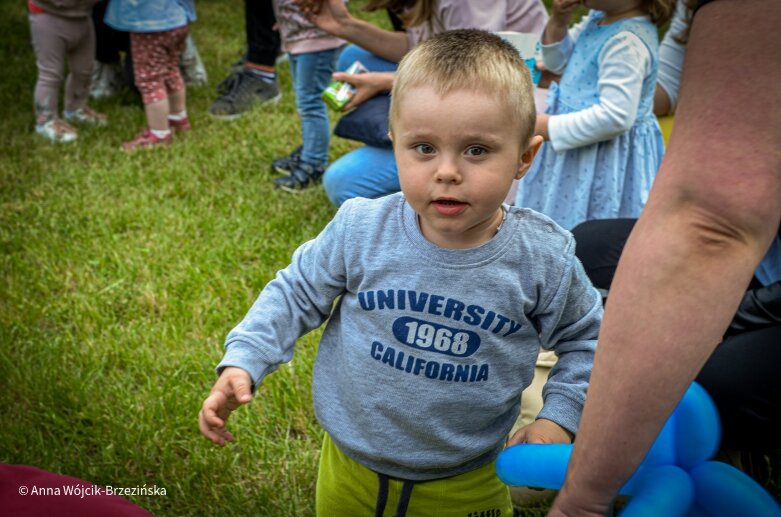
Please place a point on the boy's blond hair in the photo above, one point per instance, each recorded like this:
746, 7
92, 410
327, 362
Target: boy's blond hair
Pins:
469, 59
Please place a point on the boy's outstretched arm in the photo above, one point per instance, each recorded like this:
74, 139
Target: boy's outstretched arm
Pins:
232, 389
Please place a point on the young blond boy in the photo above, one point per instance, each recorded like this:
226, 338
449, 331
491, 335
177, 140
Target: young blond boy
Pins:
445, 296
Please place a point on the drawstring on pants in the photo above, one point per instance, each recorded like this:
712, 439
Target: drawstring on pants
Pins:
382, 496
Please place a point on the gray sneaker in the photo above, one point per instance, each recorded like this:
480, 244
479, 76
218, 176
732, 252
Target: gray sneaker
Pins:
244, 91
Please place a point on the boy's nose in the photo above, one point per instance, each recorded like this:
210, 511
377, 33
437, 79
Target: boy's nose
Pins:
447, 172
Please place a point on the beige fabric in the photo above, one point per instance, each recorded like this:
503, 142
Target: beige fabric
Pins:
531, 400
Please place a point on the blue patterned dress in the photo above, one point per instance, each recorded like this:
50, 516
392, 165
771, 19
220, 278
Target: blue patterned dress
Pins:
607, 179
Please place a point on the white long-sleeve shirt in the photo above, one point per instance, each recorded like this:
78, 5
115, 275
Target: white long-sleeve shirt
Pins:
624, 63
671, 54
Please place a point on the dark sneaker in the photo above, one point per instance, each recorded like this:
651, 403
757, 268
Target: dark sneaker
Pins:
237, 67
301, 177
226, 84
245, 91
287, 163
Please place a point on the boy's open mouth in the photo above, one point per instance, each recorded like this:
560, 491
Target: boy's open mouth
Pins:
449, 206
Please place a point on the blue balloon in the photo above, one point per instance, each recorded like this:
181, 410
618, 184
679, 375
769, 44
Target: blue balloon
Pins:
666, 490
743, 497
675, 477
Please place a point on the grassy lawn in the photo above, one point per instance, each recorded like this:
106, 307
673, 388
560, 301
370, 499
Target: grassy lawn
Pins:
120, 275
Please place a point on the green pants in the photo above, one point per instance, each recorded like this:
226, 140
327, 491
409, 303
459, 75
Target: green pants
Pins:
347, 488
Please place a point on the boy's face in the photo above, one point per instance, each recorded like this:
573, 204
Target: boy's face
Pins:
457, 156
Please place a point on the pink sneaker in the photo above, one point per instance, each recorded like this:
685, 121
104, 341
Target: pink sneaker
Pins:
180, 126
144, 140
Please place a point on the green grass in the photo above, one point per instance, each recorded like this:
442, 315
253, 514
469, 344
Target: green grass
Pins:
120, 275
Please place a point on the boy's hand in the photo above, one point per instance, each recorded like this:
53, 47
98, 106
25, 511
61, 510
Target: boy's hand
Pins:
541, 431
232, 389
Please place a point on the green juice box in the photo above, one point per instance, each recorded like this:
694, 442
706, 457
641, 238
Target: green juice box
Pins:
339, 93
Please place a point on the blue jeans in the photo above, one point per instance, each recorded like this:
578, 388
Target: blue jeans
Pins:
311, 73
367, 171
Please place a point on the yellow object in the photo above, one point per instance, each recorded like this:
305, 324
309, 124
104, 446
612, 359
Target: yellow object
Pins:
666, 123
345, 487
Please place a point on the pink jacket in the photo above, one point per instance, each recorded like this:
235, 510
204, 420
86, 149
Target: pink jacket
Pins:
493, 16
298, 34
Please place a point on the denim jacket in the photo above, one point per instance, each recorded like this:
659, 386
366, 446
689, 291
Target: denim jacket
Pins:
149, 15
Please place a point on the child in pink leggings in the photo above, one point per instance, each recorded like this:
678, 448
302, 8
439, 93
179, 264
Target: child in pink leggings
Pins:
158, 36
62, 30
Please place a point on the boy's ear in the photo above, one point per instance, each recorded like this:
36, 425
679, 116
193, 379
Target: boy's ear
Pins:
528, 155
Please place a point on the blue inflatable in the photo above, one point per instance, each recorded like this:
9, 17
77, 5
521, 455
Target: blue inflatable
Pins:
676, 477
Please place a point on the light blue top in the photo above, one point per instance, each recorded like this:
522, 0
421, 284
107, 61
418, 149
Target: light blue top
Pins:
769, 270
421, 366
608, 178
149, 15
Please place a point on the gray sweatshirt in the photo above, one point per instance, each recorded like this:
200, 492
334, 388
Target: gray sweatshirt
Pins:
420, 368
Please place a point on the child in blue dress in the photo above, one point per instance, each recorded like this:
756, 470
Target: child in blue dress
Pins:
603, 143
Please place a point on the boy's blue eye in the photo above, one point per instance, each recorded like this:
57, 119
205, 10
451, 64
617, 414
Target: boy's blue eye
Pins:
424, 148
476, 151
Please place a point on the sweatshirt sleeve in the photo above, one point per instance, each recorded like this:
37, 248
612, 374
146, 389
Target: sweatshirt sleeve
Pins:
569, 325
296, 301
624, 62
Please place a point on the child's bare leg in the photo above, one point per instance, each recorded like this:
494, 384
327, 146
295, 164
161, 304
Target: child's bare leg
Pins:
157, 114
177, 101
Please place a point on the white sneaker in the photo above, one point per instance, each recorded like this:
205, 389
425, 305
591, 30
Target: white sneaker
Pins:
57, 130
86, 115
107, 80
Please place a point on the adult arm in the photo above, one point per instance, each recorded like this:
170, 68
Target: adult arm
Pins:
332, 16
711, 215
